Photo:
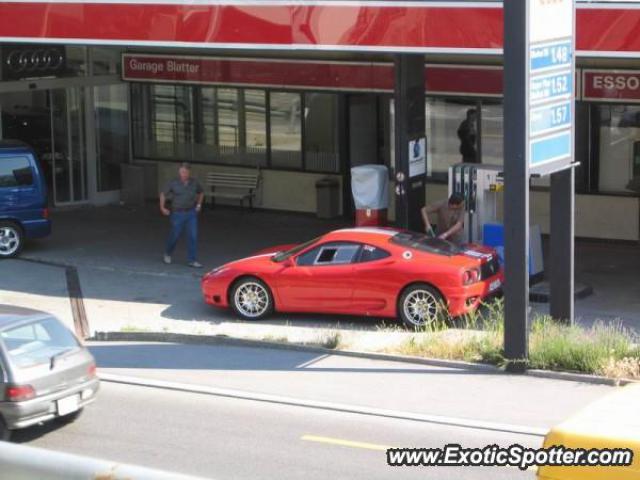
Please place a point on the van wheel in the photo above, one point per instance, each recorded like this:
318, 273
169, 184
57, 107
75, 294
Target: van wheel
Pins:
11, 239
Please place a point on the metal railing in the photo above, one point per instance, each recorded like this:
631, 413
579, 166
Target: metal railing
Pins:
19, 462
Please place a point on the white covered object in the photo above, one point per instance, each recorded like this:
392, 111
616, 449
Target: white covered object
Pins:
370, 186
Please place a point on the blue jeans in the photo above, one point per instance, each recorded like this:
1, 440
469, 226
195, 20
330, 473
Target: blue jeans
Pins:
180, 221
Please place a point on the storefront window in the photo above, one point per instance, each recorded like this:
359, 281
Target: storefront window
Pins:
320, 132
76, 61
228, 124
286, 131
106, 60
491, 148
619, 168
255, 119
444, 119
206, 148
112, 134
163, 122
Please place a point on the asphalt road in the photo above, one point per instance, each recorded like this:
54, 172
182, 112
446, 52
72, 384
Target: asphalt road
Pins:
486, 396
242, 434
224, 438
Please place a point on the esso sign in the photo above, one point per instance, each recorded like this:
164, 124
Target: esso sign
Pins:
616, 86
616, 82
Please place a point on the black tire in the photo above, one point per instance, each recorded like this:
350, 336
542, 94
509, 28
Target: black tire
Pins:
67, 419
11, 239
251, 299
420, 305
5, 433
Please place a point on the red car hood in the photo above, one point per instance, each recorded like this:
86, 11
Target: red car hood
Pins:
276, 249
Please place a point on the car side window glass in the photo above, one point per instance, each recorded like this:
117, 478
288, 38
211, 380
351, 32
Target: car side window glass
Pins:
308, 258
15, 172
371, 254
337, 254
330, 254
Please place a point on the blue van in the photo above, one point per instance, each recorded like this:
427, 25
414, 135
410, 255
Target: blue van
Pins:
23, 198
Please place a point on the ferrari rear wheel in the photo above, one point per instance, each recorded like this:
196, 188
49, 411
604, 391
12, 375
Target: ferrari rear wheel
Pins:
420, 305
251, 299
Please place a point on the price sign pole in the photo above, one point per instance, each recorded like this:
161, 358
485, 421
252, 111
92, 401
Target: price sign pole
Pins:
539, 116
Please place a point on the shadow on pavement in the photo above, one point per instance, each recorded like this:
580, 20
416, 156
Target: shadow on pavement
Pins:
228, 358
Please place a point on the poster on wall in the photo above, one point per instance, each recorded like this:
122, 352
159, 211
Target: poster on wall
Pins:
417, 157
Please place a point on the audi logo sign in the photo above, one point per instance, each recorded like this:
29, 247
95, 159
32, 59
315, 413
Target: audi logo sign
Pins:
32, 62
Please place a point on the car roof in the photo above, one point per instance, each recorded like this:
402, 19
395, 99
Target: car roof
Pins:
11, 315
372, 235
14, 146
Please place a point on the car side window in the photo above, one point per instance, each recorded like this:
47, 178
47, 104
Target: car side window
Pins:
330, 254
15, 172
370, 253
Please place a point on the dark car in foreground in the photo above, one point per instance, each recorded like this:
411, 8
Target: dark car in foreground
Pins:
45, 373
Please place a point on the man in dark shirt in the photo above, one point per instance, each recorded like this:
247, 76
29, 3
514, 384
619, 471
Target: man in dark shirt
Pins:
186, 202
467, 134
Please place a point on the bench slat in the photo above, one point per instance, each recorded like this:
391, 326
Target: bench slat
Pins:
244, 185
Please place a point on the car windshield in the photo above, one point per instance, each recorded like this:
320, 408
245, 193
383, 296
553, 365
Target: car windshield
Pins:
37, 342
420, 241
282, 256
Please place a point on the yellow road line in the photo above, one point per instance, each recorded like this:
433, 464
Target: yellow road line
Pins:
344, 443
363, 445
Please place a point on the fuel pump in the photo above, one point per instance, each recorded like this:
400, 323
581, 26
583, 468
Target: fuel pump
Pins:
481, 187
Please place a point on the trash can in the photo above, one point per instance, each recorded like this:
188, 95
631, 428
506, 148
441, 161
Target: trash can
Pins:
327, 198
370, 188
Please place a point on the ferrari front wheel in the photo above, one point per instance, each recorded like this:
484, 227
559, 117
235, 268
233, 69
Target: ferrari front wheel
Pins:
251, 299
420, 305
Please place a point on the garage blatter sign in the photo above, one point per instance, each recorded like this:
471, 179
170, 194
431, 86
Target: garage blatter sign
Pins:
551, 85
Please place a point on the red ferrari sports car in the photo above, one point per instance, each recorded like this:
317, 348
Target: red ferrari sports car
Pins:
380, 272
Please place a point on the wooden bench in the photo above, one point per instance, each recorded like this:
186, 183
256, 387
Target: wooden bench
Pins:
235, 186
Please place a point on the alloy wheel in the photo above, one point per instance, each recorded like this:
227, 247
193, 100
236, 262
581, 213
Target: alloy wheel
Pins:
421, 307
9, 241
251, 299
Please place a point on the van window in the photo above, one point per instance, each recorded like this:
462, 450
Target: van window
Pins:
15, 172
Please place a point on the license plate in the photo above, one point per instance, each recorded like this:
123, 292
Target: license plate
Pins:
494, 285
68, 405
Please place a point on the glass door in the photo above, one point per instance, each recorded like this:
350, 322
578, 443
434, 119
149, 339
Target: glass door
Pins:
68, 145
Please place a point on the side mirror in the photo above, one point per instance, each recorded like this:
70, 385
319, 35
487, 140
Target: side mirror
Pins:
289, 262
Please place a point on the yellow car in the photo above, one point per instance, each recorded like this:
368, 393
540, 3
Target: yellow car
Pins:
612, 422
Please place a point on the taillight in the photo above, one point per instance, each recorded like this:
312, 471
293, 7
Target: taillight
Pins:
92, 370
470, 276
45, 213
18, 393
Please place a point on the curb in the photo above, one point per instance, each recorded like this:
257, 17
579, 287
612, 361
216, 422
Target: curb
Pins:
435, 362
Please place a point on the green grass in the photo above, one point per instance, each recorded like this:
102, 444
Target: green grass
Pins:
603, 349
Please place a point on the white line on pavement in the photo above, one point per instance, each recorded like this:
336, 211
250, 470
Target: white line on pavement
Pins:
322, 405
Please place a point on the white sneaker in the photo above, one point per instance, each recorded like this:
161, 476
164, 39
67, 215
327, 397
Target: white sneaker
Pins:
167, 259
195, 264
